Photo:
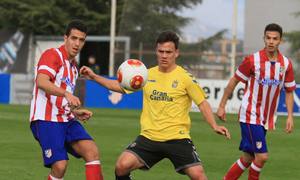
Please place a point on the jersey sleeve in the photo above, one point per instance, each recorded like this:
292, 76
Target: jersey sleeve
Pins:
195, 92
289, 81
244, 70
49, 63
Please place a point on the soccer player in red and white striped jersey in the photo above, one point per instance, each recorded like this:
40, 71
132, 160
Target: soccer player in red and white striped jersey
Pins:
264, 73
54, 109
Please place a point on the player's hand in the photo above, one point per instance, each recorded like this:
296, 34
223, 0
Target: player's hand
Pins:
73, 101
222, 131
82, 114
87, 72
221, 114
289, 125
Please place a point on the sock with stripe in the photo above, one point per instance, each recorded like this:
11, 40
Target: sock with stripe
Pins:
93, 170
236, 170
54, 178
254, 171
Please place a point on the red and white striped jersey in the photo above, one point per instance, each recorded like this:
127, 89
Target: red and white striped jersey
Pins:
63, 74
263, 81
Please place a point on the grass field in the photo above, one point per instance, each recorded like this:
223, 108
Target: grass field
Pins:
112, 129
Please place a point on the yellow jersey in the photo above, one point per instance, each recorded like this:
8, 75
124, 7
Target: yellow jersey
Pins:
167, 99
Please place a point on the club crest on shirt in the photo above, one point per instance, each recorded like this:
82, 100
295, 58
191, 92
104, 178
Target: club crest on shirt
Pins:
48, 153
281, 70
258, 144
175, 84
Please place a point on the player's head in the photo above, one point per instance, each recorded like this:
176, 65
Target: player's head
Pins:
167, 50
273, 27
168, 36
272, 37
74, 37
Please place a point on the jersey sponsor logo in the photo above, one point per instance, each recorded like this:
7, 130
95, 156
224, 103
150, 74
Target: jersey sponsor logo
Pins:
48, 153
68, 82
269, 82
160, 96
258, 144
175, 84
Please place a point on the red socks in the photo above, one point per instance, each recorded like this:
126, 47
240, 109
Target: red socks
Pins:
236, 170
254, 171
93, 170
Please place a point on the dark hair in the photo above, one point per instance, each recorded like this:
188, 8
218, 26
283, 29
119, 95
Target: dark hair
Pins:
273, 27
76, 24
168, 36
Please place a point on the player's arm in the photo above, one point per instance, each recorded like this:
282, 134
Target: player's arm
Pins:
44, 83
289, 100
105, 82
206, 110
227, 92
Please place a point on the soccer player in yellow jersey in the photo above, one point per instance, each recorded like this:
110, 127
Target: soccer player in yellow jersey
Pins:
165, 121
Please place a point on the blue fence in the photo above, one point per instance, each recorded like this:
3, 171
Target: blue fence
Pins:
4, 88
98, 96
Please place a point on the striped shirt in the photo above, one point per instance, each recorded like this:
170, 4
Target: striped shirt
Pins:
63, 74
263, 80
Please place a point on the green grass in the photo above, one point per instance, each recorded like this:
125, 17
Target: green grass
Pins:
113, 130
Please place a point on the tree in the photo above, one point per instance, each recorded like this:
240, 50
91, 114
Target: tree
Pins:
294, 38
49, 17
144, 19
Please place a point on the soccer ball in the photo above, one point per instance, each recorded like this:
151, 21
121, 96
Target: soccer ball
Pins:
132, 74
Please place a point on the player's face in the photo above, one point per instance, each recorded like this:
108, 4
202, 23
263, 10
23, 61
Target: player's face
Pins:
272, 40
74, 42
166, 56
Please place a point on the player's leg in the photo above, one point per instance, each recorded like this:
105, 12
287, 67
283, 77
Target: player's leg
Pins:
185, 158
259, 145
257, 165
58, 170
140, 154
246, 145
238, 167
195, 172
51, 137
126, 163
80, 144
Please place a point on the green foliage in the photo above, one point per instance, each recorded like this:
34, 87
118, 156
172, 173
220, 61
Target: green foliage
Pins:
49, 17
143, 20
294, 38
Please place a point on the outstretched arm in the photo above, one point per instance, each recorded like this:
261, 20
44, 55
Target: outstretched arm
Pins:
43, 82
289, 100
206, 110
107, 83
228, 91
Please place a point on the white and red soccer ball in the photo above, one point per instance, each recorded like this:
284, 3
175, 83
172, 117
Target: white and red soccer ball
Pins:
132, 74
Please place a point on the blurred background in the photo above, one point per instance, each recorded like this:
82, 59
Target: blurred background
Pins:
215, 35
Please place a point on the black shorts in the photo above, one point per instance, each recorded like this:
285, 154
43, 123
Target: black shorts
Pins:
181, 152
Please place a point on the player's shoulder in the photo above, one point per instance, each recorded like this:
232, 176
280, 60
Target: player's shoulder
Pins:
50, 55
185, 74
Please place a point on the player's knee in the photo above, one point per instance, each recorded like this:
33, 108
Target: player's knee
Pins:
262, 159
92, 155
58, 169
196, 173
122, 168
